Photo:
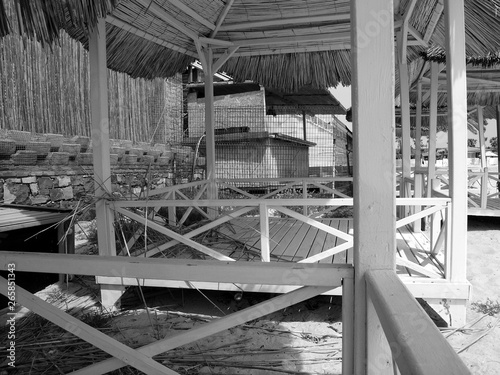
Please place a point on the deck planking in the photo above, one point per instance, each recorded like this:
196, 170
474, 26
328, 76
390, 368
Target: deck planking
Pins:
292, 241
492, 207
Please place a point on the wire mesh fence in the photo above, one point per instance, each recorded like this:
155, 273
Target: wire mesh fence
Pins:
253, 143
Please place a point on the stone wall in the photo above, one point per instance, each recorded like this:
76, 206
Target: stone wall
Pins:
57, 172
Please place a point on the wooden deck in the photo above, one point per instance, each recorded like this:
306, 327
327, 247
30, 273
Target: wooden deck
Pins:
492, 207
293, 241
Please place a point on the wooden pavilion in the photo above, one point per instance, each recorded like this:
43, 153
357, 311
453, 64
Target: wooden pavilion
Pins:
285, 44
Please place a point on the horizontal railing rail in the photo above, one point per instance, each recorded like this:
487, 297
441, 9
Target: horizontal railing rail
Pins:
416, 344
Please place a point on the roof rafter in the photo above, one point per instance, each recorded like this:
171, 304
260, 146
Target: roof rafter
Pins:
338, 37
286, 21
221, 18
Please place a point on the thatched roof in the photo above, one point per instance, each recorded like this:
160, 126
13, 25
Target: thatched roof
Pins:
285, 44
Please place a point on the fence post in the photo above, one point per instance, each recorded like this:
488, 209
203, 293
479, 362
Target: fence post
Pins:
347, 326
264, 233
417, 225
484, 188
435, 220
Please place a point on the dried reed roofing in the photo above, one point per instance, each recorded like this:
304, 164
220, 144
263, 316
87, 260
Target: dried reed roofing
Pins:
285, 44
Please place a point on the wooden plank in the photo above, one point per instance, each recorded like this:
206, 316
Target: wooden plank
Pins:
283, 229
264, 233
121, 352
306, 244
177, 269
343, 225
417, 344
316, 246
457, 134
211, 328
374, 121
291, 245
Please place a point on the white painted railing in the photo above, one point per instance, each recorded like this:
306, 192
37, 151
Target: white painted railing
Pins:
483, 187
268, 205
414, 343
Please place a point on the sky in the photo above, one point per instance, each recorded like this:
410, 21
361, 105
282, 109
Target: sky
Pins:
343, 94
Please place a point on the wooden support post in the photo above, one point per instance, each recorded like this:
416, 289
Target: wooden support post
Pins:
484, 167
418, 127
482, 146
457, 134
100, 144
172, 214
347, 326
209, 129
404, 93
498, 144
264, 233
372, 53
419, 183
431, 160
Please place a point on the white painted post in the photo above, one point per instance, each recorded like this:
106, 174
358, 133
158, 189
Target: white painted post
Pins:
264, 233
482, 146
417, 226
484, 167
100, 145
431, 164
209, 129
457, 134
372, 53
347, 326
404, 92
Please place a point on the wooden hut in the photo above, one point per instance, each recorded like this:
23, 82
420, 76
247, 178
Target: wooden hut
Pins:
286, 44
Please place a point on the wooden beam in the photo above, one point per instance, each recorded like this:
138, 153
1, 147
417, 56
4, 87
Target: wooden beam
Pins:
221, 18
404, 93
331, 46
123, 353
457, 134
287, 21
208, 329
373, 121
190, 12
144, 35
431, 158
414, 32
224, 57
482, 146
436, 15
417, 344
337, 37
273, 273
215, 42
211, 171
102, 162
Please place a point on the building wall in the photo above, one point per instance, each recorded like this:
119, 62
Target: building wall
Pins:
246, 109
269, 158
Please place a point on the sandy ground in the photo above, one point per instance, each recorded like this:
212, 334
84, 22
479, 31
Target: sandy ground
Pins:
483, 272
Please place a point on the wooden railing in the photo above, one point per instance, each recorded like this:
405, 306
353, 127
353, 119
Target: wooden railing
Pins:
484, 181
414, 343
232, 208
309, 280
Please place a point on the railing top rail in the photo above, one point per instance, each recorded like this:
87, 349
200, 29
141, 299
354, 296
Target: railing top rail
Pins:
417, 345
282, 180
273, 273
